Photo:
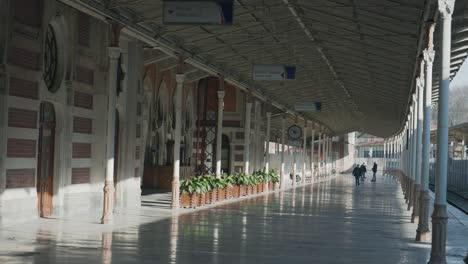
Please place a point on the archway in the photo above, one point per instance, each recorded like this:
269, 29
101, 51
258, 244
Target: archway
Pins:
225, 155
45, 160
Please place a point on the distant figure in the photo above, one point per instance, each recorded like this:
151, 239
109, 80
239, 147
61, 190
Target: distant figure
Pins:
357, 174
363, 171
374, 170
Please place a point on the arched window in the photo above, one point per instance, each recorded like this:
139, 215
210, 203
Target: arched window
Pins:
50, 72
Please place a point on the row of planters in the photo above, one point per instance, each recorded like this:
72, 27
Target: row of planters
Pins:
207, 189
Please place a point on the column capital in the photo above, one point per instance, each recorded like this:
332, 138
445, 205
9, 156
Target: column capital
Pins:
420, 82
113, 53
428, 56
268, 114
446, 8
180, 78
221, 94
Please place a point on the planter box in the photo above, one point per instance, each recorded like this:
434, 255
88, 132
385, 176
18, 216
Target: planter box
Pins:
201, 199
243, 190
221, 195
249, 190
229, 192
236, 191
265, 187
211, 197
184, 200
194, 200
271, 186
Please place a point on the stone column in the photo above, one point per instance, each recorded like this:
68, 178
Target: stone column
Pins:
248, 112
319, 156
312, 167
294, 149
177, 131
384, 156
417, 178
256, 146
267, 142
114, 54
325, 154
219, 128
422, 233
439, 216
283, 139
304, 159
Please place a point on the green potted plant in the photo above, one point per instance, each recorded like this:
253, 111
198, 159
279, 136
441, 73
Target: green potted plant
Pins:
186, 191
211, 192
221, 187
230, 182
274, 179
242, 180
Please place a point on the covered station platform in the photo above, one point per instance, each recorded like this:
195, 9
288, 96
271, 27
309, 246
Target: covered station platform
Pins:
225, 131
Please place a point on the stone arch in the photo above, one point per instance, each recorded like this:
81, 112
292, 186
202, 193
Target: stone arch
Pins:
188, 128
158, 118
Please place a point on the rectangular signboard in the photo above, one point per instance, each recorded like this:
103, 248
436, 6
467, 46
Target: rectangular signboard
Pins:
308, 106
273, 72
214, 12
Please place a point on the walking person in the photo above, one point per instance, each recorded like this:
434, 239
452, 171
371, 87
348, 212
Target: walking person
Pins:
357, 174
363, 171
374, 170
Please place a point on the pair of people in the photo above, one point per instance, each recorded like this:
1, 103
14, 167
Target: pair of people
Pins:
360, 172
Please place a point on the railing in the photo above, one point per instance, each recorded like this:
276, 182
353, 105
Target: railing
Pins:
457, 175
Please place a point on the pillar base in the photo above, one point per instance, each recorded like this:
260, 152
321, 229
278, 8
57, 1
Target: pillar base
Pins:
410, 194
108, 202
416, 198
422, 233
175, 204
439, 234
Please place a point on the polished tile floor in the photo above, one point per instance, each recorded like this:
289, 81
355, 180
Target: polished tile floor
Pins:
329, 222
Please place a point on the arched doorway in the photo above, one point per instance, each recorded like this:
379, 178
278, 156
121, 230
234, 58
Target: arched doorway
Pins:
45, 160
225, 154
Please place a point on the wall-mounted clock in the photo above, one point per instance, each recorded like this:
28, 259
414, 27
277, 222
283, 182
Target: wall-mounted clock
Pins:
294, 132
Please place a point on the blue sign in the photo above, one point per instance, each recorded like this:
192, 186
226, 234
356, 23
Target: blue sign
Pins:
209, 12
273, 72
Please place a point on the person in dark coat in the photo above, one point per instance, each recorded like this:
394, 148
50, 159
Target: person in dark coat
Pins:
374, 171
363, 171
357, 174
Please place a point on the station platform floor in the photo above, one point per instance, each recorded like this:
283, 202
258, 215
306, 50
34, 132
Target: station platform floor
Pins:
327, 222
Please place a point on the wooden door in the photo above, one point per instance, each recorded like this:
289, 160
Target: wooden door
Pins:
45, 161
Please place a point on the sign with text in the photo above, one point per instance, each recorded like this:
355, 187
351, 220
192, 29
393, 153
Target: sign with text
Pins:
215, 12
273, 72
308, 106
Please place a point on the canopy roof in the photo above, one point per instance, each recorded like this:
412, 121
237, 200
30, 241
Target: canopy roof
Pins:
358, 57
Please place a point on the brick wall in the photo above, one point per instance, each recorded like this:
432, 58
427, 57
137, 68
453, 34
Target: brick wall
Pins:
83, 100
23, 88
85, 75
20, 178
84, 29
21, 148
82, 125
81, 150
24, 58
80, 175
22, 118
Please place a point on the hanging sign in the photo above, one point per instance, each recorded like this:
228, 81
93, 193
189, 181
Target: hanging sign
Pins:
214, 12
273, 72
308, 106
